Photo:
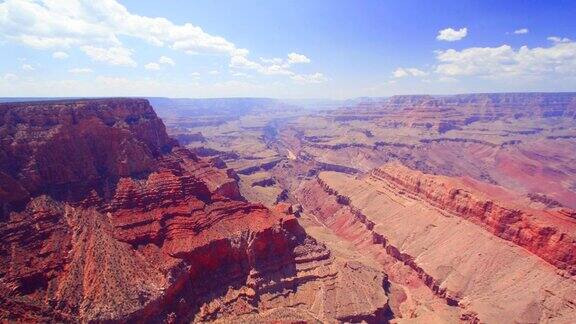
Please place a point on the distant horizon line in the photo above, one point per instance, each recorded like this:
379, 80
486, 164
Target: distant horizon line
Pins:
2, 98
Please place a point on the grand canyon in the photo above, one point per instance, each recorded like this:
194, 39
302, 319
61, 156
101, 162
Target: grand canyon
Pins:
327, 161
403, 209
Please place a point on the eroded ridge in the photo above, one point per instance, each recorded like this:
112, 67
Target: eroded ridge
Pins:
105, 218
492, 278
550, 233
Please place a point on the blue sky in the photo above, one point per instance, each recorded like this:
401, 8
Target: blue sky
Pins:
284, 49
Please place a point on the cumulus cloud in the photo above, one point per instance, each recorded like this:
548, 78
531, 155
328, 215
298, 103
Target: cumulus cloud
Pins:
309, 78
275, 60
166, 60
404, 72
297, 58
521, 31
452, 35
556, 39
505, 61
240, 74
116, 55
97, 27
60, 55
214, 72
278, 66
9, 77
80, 70
152, 66
163, 60
27, 67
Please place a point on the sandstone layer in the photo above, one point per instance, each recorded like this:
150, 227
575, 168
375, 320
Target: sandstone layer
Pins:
105, 218
521, 141
454, 254
484, 195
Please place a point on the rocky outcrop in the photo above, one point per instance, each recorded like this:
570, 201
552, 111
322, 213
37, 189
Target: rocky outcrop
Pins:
488, 278
67, 148
344, 211
545, 233
336, 212
105, 218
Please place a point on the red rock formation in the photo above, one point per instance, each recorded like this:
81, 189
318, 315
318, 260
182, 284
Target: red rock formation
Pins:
446, 112
335, 211
105, 218
548, 234
385, 219
66, 148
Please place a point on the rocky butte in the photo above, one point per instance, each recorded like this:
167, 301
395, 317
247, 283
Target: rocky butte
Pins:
104, 218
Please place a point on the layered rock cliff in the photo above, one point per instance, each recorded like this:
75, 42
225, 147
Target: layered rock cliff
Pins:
419, 244
475, 107
67, 148
105, 218
548, 234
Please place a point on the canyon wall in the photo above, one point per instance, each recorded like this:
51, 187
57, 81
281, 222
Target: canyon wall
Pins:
105, 218
490, 278
550, 234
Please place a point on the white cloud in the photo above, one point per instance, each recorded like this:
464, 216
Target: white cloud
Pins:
9, 77
27, 67
404, 72
521, 31
155, 66
275, 60
195, 74
97, 27
214, 72
309, 78
80, 70
556, 39
60, 55
166, 60
240, 74
152, 66
277, 66
115, 55
505, 62
452, 35
400, 73
297, 58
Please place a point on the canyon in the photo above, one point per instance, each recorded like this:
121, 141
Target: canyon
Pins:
426, 209
106, 218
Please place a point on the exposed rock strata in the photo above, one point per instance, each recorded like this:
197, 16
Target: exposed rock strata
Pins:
456, 259
536, 230
521, 141
105, 218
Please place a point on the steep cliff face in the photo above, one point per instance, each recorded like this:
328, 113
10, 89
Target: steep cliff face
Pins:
105, 218
521, 141
481, 106
420, 243
548, 234
444, 113
67, 148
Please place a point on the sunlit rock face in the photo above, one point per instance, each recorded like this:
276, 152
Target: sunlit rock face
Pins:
106, 218
455, 198
467, 241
